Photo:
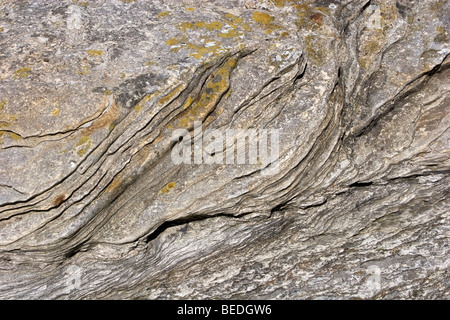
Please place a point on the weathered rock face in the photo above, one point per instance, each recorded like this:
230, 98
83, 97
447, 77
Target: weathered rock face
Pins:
92, 204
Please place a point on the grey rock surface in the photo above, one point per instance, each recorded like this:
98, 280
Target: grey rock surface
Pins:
92, 205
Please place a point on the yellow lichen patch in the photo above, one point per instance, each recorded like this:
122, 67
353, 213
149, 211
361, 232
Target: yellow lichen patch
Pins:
85, 143
215, 25
246, 27
232, 33
151, 63
441, 36
265, 21
168, 187
184, 122
279, 3
309, 17
437, 6
104, 121
54, 112
200, 24
368, 50
235, 21
188, 102
215, 87
150, 95
83, 140
185, 25
262, 17
85, 69
14, 136
94, 53
315, 50
3, 104
22, 73
163, 14
173, 42
223, 29
171, 95
233, 18
190, 9
138, 108
111, 127
107, 92
4, 124
209, 46
6, 120
81, 3
127, 1
388, 14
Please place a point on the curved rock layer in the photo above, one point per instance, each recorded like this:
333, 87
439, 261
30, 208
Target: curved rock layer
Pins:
92, 205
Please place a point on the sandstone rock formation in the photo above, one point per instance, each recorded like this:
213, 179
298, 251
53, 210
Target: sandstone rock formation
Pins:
92, 205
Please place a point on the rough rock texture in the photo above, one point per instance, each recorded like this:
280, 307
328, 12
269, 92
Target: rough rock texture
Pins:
92, 206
